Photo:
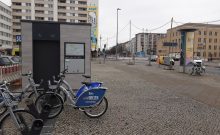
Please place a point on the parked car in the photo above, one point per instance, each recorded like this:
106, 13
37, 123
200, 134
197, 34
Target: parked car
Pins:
5, 61
166, 60
15, 59
154, 57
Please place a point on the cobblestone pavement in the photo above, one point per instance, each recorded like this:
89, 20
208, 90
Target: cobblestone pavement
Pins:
148, 100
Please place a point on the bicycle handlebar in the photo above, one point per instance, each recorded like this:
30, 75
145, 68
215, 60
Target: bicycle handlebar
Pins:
64, 71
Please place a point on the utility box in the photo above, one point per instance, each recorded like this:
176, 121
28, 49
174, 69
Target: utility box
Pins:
50, 47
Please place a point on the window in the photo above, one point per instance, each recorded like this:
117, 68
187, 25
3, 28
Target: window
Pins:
204, 32
82, 2
39, 11
84, 9
39, 5
28, 4
82, 21
204, 40
72, 1
16, 17
210, 47
28, 11
28, 17
50, 5
215, 54
215, 47
210, 40
50, 18
210, 33
82, 15
199, 39
200, 32
215, 40
216, 33
39, 18
16, 3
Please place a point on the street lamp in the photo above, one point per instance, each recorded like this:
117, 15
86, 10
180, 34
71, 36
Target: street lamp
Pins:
117, 36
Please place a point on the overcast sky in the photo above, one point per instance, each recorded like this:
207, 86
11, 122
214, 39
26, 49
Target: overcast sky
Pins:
150, 14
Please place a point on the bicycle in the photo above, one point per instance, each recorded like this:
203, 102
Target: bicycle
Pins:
87, 99
15, 121
18, 96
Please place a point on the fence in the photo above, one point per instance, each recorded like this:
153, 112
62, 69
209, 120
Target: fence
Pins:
10, 73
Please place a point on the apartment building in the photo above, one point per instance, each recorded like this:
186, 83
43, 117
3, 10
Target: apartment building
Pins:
5, 26
47, 10
206, 41
147, 41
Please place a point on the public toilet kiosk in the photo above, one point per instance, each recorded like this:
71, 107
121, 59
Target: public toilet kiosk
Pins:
49, 47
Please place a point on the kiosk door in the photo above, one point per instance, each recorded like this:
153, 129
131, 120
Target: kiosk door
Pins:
46, 60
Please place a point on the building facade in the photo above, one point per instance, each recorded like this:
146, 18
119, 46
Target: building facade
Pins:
206, 41
47, 10
5, 26
147, 41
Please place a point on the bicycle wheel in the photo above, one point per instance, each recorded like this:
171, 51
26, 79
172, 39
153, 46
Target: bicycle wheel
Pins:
98, 110
23, 117
53, 100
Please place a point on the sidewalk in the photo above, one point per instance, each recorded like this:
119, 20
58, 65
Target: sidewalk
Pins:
147, 100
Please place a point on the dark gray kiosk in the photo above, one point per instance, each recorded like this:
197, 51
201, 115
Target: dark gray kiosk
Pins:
50, 47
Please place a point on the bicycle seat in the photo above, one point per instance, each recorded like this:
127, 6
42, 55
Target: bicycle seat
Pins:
86, 76
86, 83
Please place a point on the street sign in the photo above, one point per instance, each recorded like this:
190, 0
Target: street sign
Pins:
169, 44
18, 38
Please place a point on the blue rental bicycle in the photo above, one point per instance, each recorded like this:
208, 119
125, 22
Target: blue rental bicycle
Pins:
89, 98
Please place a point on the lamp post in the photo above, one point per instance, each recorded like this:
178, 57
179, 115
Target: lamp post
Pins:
116, 52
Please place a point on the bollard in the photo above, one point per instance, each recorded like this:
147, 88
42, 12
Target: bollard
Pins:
45, 112
36, 127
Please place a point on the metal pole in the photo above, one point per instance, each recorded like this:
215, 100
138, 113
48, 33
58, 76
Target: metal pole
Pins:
150, 49
100, 46
171, 41
144, 39
171, 33
130, 43
116, 53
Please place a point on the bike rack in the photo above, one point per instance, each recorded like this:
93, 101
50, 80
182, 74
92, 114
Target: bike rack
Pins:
38, 124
